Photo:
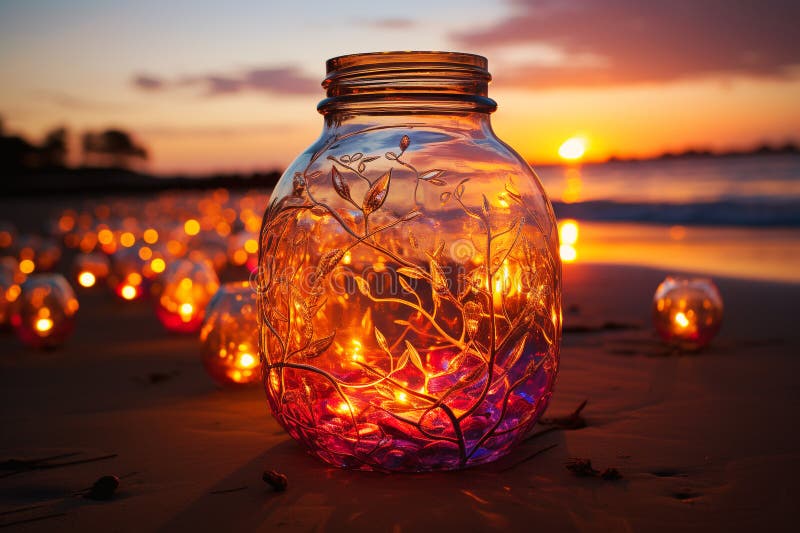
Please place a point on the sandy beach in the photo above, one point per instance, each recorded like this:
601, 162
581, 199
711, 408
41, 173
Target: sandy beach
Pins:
704, 441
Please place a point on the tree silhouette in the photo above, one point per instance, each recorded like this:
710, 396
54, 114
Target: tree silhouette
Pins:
112, 148
53, 150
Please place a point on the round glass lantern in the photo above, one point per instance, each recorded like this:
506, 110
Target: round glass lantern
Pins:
9, 288
687, 312
126, 278
186, 289
44, 312
409, 280
91, 268
230, 335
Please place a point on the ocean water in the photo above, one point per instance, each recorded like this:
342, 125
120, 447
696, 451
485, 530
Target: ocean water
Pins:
752, 191
735, 216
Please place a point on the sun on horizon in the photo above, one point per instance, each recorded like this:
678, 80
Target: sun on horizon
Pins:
572, 149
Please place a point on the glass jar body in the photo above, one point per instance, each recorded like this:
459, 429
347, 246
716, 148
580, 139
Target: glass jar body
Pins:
409, 294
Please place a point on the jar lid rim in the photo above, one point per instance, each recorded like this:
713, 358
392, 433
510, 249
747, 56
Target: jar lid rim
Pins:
376, 59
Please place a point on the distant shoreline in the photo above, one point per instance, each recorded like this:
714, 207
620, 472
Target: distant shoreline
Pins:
110, 181
699, 153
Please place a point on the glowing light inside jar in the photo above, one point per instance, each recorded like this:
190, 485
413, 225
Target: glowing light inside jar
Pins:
681, 320
87, 279
186, 311
27, 266
129, 292
44, 325
247, 361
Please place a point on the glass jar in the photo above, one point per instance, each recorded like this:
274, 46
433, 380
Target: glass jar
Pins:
43, 315
409, 280
230, 335
687, 312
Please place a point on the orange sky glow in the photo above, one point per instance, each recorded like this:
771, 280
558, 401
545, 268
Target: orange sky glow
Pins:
234, 87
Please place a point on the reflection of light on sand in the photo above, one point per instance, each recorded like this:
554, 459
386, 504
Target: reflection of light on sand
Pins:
763, 253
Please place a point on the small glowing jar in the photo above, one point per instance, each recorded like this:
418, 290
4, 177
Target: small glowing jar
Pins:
687, 312
90, 269
8, 236
44, 313
187, 288
126, 278
230, 335
9, 288
409, 279
242, 250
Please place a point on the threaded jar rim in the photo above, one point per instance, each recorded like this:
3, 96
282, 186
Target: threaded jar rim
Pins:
407, 81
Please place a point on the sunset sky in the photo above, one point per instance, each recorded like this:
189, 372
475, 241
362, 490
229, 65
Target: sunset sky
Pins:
233, 86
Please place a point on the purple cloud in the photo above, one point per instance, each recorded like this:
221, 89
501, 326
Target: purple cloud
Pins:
279, 80
148, 83
392, 23
641, 42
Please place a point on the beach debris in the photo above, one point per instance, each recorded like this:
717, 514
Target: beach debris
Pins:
276, 480
227, 491
103, 489
583, 468
528, 458
611, 474
573, 420
160, 377
16, 466
32, 519
605, 326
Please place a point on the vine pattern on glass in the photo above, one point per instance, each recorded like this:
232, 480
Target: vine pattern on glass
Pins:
287, 313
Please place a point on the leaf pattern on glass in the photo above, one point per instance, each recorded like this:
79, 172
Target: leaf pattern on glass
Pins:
318, 347
298, 184
472, 317
413, 356
376, 194
410, 272
406, 286
516, 352
362, 284
385, 390
431, 174
486, 207
453, 322
438, 282
327, 263
339, 185
379, 337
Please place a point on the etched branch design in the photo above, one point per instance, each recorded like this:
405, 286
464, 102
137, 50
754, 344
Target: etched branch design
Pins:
496, 340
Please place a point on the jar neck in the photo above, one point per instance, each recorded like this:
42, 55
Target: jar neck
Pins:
342, 123
407, 83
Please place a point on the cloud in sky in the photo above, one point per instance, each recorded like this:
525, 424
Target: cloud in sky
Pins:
275, 80
392, 23
620, 42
